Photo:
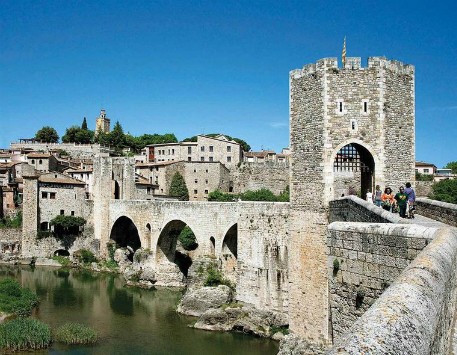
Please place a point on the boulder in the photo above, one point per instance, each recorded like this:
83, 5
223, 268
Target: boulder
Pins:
196, 302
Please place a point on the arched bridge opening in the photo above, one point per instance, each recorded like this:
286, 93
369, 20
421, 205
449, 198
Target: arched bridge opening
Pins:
125, 234
229, 255
353, 169
176, 244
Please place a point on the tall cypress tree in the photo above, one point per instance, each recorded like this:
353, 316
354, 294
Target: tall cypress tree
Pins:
178, 187
84, 125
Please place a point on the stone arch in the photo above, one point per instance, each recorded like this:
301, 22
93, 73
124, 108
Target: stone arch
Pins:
125, 234
61, 252
229, 253
352, 164
166, 249
212, 246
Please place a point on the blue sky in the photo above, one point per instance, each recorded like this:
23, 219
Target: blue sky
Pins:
191, 67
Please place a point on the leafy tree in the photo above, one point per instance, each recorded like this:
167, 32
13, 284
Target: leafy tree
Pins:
70, 134
47, 134
452, 165
102, 138
84, 124
445, 190
117, 137
84, 136
178, 187
187, 239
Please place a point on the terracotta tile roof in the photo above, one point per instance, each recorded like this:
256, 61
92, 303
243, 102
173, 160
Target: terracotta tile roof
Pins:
160, 163
78, 171
60, 179
8, 165
38, 155
422, 163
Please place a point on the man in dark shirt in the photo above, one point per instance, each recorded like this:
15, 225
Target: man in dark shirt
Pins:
402, 200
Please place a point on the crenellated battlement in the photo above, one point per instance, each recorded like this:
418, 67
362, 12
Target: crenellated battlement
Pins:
353, 63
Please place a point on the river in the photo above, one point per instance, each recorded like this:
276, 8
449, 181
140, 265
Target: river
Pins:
127, 320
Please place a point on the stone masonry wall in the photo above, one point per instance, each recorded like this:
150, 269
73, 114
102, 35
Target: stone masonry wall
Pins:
10, 242
77, 151
423, 188
254, 176
415, 314
364, 259
437, 210
263, 255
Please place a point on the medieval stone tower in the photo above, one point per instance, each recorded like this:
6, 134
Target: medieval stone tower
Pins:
102, 123
349, 127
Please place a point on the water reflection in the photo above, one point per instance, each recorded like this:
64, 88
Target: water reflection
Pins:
128, 320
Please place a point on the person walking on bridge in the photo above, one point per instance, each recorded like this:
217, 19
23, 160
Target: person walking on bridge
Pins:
402, 201
387, 199
409, 191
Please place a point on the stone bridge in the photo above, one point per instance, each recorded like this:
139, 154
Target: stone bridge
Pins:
249, 240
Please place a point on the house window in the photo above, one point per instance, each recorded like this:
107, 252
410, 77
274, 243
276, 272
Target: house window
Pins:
202, 148
206, 181
229, 149
196, 181
206, 192
206, 170
62, 212
229, 159
40, 161
195, 192
72, 213
189, 159
202, 158
173, 151
33, 161
44, 194
426, 171
210, 158
211, 148
189, 150
52, 195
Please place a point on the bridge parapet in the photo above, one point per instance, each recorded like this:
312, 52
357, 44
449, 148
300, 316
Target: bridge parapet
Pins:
415, 314
354, 209
438, 210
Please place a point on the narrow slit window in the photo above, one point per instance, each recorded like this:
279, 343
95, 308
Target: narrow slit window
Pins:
365, 106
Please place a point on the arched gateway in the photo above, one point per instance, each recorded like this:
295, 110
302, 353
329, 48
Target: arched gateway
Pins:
349, 127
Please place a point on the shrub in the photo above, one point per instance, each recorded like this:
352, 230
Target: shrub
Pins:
221, 197
15, 299
445, 190
259, 195
284, 329
64, 225
84, 256
214, 277
24, 334
12, 222
75, 333
187, 239
423, 177
62, 260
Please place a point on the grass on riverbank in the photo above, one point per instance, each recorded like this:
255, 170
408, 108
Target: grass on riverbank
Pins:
24, 334
75, 333
16, 300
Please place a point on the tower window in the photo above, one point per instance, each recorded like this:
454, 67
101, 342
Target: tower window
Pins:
340, 107
364, 110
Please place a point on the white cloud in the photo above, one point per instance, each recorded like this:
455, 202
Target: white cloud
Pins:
279, 124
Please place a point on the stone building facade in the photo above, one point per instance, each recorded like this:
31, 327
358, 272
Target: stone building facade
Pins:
350, 118
206, 149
